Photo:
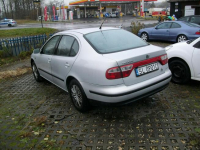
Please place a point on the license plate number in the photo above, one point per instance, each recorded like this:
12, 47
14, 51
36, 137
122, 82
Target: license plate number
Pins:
146, 69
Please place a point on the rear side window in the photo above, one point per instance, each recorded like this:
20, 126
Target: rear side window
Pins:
74, 49
184, 19
110, 41
175, 25
65, 46
68, 46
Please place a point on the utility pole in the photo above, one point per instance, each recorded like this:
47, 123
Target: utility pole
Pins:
39, 2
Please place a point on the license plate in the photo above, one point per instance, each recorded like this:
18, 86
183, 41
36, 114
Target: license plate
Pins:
146, 69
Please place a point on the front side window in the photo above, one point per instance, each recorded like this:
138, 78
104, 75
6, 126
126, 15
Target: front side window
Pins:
65, 45
165, 25
175, 25
195, 20
110, 41
50, 46
197, 45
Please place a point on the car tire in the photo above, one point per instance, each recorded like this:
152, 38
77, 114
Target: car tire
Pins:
36, 73
181, 38
78, 96
180, 71
9, 25
144, 36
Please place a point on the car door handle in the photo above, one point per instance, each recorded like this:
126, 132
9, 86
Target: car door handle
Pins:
49, 60
67, 65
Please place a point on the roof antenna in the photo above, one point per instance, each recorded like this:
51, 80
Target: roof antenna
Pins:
102, 23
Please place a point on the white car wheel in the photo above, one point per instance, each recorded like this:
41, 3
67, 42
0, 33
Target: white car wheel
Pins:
78, 96
181, 38
36, 74
144, 36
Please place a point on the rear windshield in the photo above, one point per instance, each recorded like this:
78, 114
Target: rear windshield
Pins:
191, 24
110, 41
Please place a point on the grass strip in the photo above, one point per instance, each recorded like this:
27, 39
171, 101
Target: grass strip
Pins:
26, 32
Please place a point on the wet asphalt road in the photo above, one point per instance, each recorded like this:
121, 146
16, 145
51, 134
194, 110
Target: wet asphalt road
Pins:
84, 23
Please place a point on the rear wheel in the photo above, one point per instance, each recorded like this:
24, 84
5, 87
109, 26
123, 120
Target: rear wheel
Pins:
36, 74
180, 71
78, 96
9, 25
181, 38
144, 36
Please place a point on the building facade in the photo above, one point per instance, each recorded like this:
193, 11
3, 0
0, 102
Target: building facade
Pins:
182, 8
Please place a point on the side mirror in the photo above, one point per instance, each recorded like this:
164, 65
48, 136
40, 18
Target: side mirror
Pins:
37, 50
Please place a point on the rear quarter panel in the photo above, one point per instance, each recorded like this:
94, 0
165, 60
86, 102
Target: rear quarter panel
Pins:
90, 66
182, 51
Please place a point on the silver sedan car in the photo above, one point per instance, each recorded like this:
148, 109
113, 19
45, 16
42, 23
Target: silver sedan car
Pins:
106, 66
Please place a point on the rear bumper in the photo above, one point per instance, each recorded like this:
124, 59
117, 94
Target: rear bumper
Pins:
97, 103
191, 37
123, 93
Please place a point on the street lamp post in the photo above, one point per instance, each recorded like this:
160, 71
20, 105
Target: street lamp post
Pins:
38, 2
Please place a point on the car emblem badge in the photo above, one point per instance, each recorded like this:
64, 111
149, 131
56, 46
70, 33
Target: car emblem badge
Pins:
147, 56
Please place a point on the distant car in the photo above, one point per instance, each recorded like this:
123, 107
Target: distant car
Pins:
192, 19
8, 22
184, 61
112, 15
108, 65
175, 31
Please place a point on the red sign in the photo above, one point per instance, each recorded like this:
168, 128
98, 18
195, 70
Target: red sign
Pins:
54, 13
45, 13
63, 13
156, 13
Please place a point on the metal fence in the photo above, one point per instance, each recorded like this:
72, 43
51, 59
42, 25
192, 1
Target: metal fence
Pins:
19, 44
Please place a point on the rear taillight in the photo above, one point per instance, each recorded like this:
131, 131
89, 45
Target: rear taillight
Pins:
125, 71
113, 73
164, 59
198, 32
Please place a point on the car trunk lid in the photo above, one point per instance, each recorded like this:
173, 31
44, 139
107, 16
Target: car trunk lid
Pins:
142, 59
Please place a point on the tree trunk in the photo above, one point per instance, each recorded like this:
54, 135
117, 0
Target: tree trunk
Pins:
4, 6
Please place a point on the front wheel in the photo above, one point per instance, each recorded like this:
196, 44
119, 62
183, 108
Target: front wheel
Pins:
144, 36
36, 74
78, 96
180, 71
181, 38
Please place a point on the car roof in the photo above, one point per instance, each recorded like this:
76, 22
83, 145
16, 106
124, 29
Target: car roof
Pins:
87, 30
192, 16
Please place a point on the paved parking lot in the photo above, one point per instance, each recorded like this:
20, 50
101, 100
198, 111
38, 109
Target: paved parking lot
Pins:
41, 116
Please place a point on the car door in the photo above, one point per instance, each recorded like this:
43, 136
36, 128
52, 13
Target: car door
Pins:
173, 32
43, 61
64, 59
196, 59
161, 31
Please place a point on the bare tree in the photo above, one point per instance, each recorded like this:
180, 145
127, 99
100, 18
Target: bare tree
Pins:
4, 6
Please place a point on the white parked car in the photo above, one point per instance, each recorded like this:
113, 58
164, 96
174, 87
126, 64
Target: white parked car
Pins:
112, 15
184, 61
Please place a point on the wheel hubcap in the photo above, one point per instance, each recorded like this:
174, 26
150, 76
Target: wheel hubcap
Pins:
178, 72
35, 71
144, 37
182, 38
76, 95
